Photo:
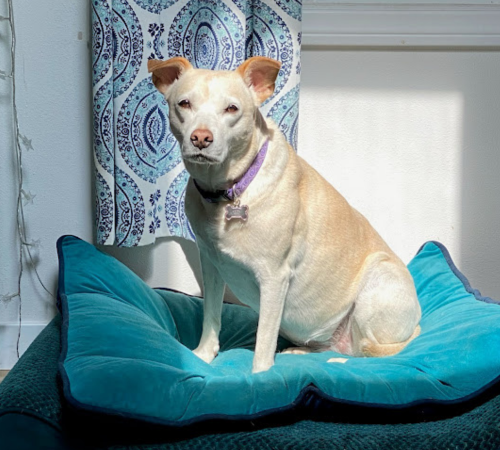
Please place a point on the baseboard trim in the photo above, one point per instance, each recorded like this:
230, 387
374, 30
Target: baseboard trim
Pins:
8, 341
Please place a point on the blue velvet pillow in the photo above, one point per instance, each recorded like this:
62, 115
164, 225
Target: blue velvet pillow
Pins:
126, 349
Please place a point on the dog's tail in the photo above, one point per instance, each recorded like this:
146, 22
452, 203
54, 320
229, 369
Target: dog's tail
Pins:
369, 348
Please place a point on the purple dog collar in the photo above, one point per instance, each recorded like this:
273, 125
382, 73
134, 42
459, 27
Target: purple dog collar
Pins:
238, 188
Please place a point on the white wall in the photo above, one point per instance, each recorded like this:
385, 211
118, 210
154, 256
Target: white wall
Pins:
53, 99
410, 138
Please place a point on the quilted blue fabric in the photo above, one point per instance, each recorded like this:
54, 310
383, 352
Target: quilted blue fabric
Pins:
126, 349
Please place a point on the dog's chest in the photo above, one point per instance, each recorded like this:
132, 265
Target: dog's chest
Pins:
233, 247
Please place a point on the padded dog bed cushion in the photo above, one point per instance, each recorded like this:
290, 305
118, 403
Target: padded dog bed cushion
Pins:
126, 349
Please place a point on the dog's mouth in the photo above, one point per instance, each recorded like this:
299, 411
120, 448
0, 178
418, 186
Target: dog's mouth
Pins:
201, 158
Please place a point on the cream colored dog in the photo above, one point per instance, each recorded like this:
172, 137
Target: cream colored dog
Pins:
289, 245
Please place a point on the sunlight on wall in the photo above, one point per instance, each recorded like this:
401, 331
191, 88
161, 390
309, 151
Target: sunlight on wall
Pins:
394, 154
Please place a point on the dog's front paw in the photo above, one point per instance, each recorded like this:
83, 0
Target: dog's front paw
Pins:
207, 354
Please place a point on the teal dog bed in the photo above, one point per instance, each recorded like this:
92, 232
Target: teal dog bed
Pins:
126, 350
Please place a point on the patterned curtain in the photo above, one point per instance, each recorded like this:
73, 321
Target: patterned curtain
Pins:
140, 179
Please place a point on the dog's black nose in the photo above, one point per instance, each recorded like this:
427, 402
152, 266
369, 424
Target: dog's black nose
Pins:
202, 138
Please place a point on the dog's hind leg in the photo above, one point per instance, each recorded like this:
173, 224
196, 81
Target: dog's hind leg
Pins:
386, 311
370, 348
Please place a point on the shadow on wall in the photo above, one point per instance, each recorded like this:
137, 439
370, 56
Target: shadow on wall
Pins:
142, 260
160, 264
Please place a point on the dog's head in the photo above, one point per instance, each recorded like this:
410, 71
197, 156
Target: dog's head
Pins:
213, 113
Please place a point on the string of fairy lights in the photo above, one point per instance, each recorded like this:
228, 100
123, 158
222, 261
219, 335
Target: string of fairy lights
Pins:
24, 197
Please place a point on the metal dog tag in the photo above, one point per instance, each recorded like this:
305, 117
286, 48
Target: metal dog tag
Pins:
239, 212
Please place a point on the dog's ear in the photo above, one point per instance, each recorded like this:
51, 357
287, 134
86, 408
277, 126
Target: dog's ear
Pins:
260, 74
166, 72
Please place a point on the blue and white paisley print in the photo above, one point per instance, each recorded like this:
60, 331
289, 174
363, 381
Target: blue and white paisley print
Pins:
131, 213
101, 39
177, 222
268, 35
155, 211
144, 140
291, 7
156, 43
104, 209
140, 178
285, 113
209, 34
127, 46
155, 6
104, 128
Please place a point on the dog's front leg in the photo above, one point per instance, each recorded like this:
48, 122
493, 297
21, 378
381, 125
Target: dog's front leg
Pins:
272, 301
213, 287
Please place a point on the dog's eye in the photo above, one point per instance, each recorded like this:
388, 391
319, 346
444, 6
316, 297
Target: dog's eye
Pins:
231, 109
184, 104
